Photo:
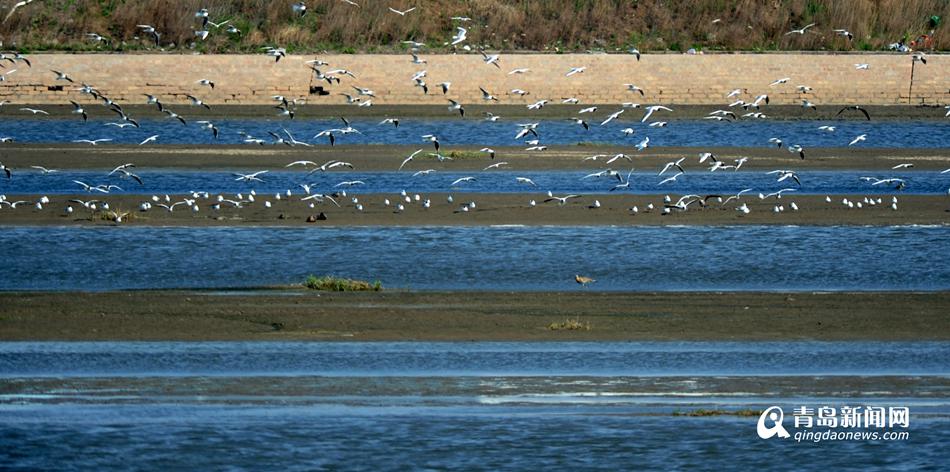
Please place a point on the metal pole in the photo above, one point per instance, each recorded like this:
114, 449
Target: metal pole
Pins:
910, 89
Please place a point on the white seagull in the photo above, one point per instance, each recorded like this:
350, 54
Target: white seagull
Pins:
651, 109
250, 177
800, 31
575, 70
401, 13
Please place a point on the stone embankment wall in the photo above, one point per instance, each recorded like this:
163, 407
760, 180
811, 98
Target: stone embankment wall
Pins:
665, 78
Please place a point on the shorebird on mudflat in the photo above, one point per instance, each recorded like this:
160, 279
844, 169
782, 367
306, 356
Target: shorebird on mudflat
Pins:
583, 281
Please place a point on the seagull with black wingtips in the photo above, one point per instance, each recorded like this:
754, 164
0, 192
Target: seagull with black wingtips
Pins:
854, 107
78, 110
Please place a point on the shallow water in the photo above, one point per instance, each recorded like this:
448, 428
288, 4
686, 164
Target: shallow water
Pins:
694, 258
913, 134
474, 359
698, 181
394, 406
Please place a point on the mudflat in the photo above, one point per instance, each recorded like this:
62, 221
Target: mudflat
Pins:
490, 209
20, 157
298, 314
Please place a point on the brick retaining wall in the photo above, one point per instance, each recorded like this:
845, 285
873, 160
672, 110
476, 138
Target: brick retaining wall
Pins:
666, 78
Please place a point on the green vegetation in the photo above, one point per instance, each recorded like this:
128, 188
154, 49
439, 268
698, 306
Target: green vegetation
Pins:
570, 325
329, 283
465, 154
544, 25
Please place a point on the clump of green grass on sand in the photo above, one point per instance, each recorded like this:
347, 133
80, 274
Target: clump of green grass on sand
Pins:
702, 412
570, 325
465, 154
328, 283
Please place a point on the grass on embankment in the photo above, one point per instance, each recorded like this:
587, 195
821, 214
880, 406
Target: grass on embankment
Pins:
537, 25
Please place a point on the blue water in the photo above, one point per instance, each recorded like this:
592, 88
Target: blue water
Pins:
891, 134
482, 258
475, 359
176, 437
559, 182
479, 406
398, 406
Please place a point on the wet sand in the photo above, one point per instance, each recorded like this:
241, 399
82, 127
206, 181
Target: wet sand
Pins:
388, 157
463, 316
490, 209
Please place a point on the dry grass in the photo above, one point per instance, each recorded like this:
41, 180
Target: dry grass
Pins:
570, 325
552, 25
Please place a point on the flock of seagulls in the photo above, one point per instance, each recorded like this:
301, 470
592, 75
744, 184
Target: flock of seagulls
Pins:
739, 104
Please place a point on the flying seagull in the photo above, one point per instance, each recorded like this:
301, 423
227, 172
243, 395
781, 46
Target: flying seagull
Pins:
14, 8
854, 107
401, 13
800, 31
